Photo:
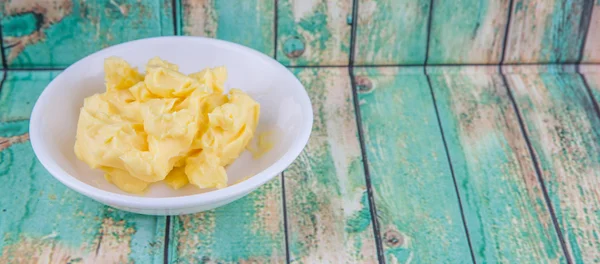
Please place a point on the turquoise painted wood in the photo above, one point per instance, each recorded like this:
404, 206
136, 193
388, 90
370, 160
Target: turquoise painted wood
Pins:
249, 230
313, 32
45, 222
391, 32
56, 33
249, 22
546, 31
416, 203
328, 214
591, 53
504, 206
564, 131
467, 31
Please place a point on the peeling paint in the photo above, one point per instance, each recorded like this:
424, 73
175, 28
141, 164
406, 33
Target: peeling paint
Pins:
7, 142
564, 132
505, 213
113, 246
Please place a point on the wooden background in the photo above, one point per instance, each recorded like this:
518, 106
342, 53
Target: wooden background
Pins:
463, 131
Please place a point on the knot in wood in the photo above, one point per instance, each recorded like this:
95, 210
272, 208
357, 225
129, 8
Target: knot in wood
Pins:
293, 47
393, 238
363, 84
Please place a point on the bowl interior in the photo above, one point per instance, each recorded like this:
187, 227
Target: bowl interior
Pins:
282, 99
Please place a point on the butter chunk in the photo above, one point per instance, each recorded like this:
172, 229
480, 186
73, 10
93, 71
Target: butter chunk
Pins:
125, 182
204, 170
169, 83
119, 75
177, 178
164, 126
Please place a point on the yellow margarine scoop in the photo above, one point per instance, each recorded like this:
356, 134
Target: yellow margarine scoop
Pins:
164, 125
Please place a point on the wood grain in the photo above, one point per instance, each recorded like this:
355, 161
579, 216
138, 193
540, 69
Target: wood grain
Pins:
391, 32
416, 202
314, 32
56, 33
249, 22
45, 222
249, 230
329, 219
564, 131
591, 53
505, 211
591, 73
467, 31
546, 31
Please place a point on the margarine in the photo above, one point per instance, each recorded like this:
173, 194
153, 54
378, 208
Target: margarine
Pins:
164, 126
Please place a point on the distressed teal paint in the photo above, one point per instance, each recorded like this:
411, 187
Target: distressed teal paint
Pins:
320, 26
247, 230
507, 218
78, 28
391, 32
329, 217
250, 23
566, 144
40, 213
360, 220
21, 25
22, 87
563, 39
410, 175
467, 31
550, 31
240, 21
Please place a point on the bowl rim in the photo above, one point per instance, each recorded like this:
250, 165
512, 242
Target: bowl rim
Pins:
236, 190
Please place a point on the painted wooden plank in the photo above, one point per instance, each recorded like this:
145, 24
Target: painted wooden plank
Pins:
329, 219
45, 222
467, 31
250, 22
313, 32
417, 205
506, 215
591, 53
57, 33
391, 32
249, 230
564, 131
549, 31
591, 73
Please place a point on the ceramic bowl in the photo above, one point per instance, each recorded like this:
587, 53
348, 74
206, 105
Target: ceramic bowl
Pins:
286, 112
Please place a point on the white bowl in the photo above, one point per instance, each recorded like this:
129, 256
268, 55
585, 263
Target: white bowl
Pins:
286, 111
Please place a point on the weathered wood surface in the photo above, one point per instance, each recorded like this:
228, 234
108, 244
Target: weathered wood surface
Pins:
249, 22
591, 73
548, 31
467, 31
314, 32
564, 131
42, 221
506, 215
329, 219
391, 32
416, 202
591, 53
56, 33
249, 230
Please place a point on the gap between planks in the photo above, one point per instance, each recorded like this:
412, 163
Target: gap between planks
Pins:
537, 167
451, 166
365, 66
361, 137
